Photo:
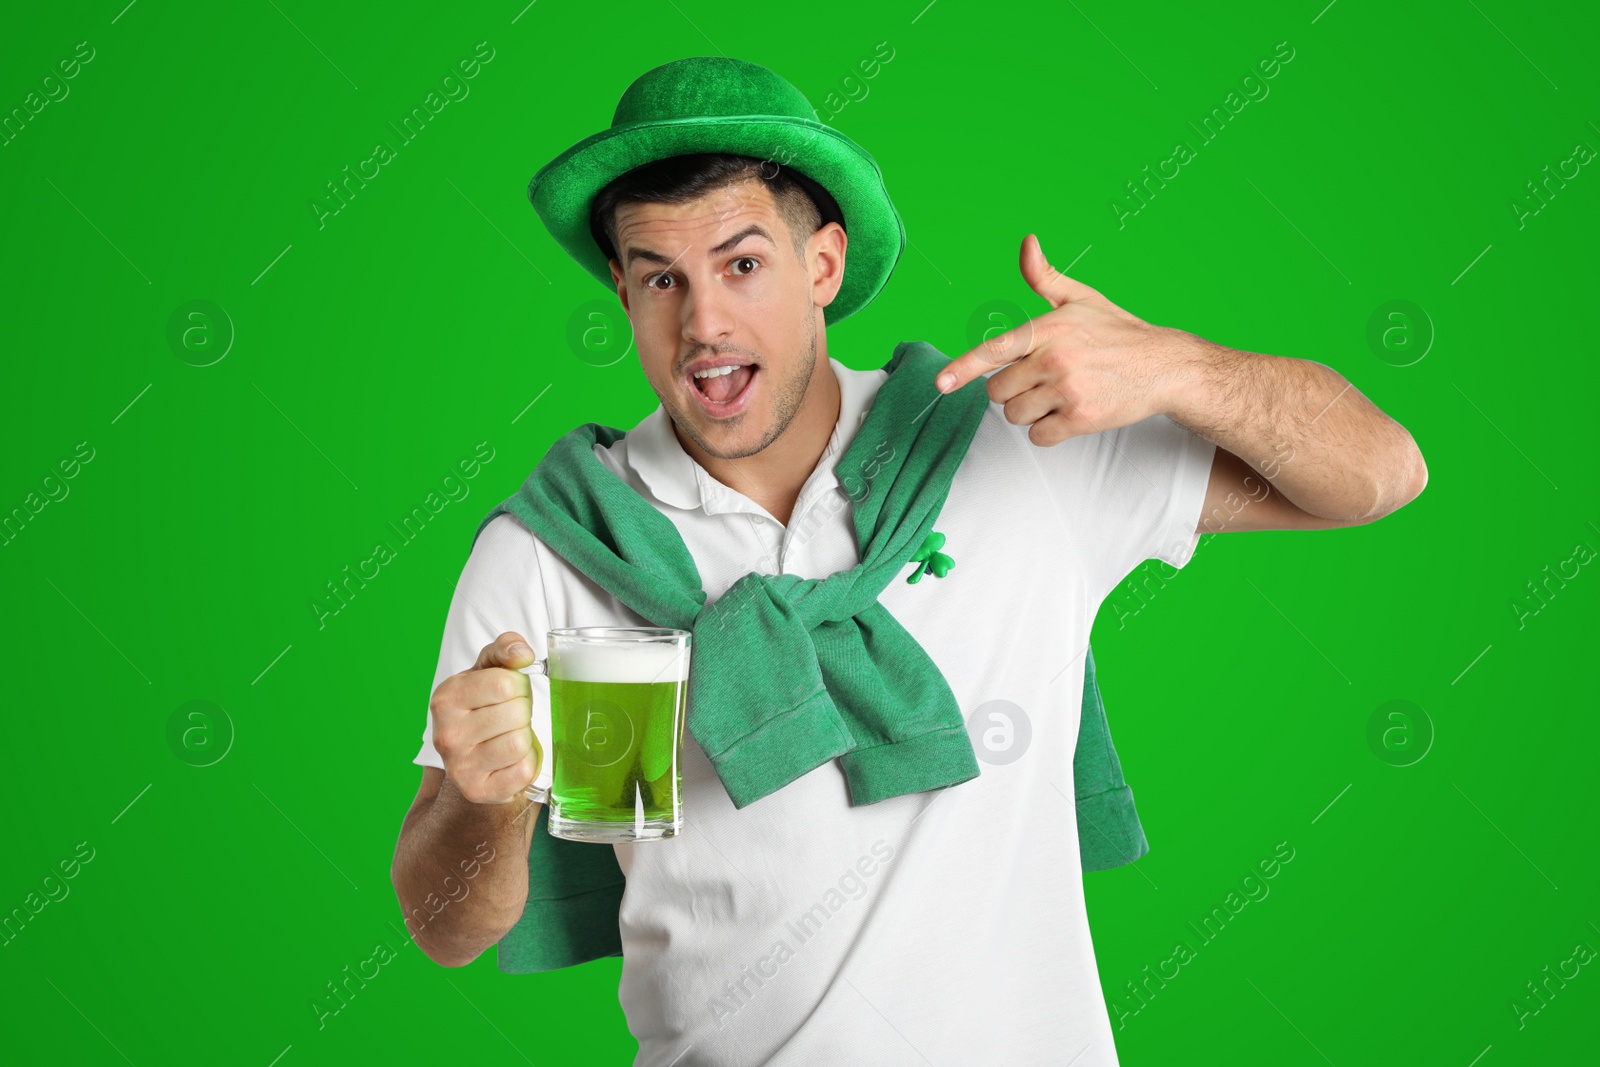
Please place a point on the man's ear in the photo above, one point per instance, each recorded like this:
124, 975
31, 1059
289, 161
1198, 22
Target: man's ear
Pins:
826, 250
617, 280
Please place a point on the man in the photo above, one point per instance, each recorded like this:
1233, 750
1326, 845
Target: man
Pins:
939, 926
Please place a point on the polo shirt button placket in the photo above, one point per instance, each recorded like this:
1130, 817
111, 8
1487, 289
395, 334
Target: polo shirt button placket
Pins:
788, 543
780, 549
771, 545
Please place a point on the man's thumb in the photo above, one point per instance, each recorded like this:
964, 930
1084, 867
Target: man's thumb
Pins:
510, 649
1045, 280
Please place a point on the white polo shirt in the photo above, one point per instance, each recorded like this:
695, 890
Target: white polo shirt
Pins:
939, 927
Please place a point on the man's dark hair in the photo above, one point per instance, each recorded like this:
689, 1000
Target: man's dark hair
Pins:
803, 204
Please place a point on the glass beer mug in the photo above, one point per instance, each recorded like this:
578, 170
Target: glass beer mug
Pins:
618, 701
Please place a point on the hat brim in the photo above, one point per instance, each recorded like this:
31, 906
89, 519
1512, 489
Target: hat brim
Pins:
563, 189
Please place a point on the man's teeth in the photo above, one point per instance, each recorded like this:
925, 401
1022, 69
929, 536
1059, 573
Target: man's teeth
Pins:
715, 372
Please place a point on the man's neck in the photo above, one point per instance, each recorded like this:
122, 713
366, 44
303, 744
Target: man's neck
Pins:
773, 476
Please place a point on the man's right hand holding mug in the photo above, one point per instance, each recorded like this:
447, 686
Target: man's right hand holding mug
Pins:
482, 724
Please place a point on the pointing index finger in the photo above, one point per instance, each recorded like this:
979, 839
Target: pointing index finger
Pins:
996, 351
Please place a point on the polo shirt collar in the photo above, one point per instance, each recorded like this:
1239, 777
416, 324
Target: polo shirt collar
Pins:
673, 476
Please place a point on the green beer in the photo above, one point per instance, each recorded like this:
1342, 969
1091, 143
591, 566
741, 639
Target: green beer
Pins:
618, 701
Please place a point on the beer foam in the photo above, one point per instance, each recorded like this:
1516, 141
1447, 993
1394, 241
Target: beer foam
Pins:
642, 661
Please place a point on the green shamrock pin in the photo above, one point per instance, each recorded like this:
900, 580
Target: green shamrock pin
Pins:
933, 561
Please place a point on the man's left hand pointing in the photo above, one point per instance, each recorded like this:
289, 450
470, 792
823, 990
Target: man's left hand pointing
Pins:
1083, 367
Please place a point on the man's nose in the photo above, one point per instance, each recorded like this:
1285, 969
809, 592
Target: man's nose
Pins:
707, 314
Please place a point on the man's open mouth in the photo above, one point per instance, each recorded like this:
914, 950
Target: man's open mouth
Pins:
724, 385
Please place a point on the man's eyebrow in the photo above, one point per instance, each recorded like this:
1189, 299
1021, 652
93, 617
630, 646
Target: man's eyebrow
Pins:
755, 230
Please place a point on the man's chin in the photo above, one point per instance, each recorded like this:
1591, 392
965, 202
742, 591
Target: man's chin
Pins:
735, 439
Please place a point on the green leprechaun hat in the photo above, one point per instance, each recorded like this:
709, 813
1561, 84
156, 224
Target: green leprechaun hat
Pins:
718, 104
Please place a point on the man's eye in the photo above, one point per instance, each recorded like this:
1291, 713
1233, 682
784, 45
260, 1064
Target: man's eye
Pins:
747, 259
649, 282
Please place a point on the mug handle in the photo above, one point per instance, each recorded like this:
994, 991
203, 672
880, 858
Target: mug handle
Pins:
541, 667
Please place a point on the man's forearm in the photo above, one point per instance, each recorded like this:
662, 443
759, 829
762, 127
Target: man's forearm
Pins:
1328, 449
461, 873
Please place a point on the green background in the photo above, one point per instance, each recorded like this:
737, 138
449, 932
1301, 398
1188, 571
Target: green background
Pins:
370, 353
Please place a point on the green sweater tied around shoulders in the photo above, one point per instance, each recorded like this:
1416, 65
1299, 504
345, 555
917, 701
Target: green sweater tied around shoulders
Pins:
838, 676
